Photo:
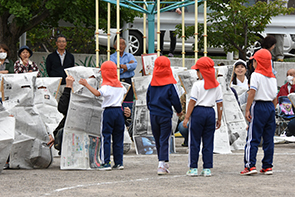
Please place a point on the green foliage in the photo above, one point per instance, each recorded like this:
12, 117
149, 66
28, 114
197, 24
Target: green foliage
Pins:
79, 39
234, 25
89, 62
19, 16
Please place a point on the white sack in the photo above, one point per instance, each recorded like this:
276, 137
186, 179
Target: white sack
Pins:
6, 136
29, 149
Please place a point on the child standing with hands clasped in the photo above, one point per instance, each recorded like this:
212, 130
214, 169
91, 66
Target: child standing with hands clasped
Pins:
201, 116
161, 96
112, 117
260, 112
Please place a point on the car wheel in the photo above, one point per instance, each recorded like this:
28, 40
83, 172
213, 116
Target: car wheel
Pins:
135, 43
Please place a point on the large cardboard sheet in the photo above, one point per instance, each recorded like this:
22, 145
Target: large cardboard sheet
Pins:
221, 142
46, 104
6, 135
234, 117
225, 72
82, 126
18, 89
176, 71
142, 132
187, 79
235, 121
92, 75
29, 149
81, 137
30, 136
84, 114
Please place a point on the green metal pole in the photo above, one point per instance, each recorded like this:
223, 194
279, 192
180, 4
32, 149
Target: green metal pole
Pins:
151, 31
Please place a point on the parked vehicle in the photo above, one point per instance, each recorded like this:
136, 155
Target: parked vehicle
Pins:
279, 25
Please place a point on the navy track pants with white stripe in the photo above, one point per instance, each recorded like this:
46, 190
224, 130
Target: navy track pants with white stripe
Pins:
263, 125
112, 126
201, 126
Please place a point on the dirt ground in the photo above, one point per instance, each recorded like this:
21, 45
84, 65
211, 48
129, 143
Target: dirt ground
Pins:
139, 178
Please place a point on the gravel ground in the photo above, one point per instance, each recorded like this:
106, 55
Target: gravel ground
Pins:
139, 178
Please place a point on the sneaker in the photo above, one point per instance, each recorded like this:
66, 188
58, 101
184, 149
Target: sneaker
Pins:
105, 167
283, 134
170, 55
267, 171
249, 171
192, 172
164, 169
166, 165
118, 167
206, 172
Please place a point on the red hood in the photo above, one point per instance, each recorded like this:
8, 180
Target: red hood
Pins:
162, 73
263, 59
206, 67
109, 74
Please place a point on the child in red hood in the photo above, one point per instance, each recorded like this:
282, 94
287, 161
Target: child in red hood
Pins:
261, 101
112, 117
201, 116
161, 96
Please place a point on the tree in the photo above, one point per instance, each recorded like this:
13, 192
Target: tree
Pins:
79, 39
19, 16
234, 25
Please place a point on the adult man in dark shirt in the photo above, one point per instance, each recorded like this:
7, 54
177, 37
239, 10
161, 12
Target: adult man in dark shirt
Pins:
57, 61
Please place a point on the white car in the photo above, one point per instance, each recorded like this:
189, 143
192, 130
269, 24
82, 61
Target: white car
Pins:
279, 25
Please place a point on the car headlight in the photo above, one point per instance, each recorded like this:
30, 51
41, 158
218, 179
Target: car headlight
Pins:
292, 37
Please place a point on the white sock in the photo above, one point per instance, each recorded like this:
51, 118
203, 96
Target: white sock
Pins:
161, 164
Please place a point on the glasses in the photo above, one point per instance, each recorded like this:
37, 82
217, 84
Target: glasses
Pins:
61, 41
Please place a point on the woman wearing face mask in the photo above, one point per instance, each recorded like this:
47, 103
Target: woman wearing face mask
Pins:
289, 87
286, 89
24, 64
6, 65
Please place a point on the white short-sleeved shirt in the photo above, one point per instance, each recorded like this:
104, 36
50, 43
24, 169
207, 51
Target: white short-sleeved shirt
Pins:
112, 96
265, 87
206, 98
243, 84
